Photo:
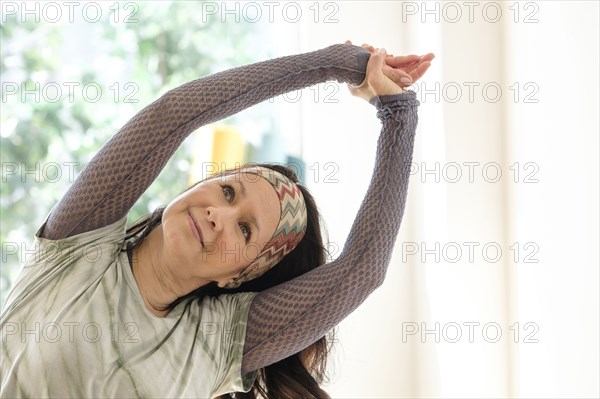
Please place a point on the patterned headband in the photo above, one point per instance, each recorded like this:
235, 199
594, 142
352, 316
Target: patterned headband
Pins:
289, 232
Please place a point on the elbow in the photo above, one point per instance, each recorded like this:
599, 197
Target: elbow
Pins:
379, 278
379, 270
373, 280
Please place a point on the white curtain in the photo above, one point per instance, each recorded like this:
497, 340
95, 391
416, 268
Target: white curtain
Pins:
493, 286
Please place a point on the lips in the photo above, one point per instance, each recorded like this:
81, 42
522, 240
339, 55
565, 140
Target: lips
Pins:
195, 228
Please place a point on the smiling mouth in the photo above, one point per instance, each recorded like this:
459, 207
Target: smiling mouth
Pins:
195, 228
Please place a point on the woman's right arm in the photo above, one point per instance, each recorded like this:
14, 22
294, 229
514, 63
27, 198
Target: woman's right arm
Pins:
130, 161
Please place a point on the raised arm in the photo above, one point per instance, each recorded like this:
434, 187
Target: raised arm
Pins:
289, 317
130, 161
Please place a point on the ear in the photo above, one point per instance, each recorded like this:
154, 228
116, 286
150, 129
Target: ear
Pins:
226, 280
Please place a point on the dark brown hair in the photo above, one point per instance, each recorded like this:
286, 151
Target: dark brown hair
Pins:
299, 375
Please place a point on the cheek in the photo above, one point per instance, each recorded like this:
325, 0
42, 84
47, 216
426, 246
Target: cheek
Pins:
176, 243
177, 235
232, 254
193, 196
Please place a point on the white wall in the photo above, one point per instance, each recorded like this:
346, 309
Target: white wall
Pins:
558, 215
560, 133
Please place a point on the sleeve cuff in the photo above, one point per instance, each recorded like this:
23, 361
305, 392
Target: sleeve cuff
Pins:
409, 97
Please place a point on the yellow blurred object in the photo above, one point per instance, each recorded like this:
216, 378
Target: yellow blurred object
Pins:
228, 148
219, 147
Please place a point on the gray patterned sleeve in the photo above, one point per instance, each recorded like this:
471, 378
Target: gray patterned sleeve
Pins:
129, 162
287, 318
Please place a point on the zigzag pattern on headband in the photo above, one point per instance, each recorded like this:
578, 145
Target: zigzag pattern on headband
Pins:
289, 231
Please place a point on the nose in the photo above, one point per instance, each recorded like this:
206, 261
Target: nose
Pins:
212, 214
218, 217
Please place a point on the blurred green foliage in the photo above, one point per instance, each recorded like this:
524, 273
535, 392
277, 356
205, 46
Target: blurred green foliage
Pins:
46, 140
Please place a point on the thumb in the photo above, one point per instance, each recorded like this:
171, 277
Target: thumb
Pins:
378, 83
374, 69
376, 63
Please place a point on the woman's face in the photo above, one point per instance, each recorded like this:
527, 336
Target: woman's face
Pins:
216, 229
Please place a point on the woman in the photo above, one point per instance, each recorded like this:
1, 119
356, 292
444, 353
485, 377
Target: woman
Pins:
97, 313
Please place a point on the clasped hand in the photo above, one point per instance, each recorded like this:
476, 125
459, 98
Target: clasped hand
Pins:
387, 74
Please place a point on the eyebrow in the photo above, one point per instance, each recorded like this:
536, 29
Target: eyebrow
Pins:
252, 218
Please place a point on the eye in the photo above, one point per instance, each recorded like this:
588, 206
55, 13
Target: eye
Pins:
228, 192
246, 231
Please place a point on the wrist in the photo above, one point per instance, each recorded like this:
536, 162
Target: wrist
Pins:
408, 96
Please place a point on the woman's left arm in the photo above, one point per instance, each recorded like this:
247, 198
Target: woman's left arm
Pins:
287, 318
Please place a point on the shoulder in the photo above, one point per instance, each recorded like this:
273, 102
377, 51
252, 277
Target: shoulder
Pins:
67, 263
227, 306
111, 232
223, 330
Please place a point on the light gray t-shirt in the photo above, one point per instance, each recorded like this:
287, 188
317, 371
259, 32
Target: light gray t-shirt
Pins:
75, 325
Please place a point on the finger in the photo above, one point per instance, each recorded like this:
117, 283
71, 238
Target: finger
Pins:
423, 59
400, 60
413, 68
368, 47
420, 71
396, 75
347, 42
